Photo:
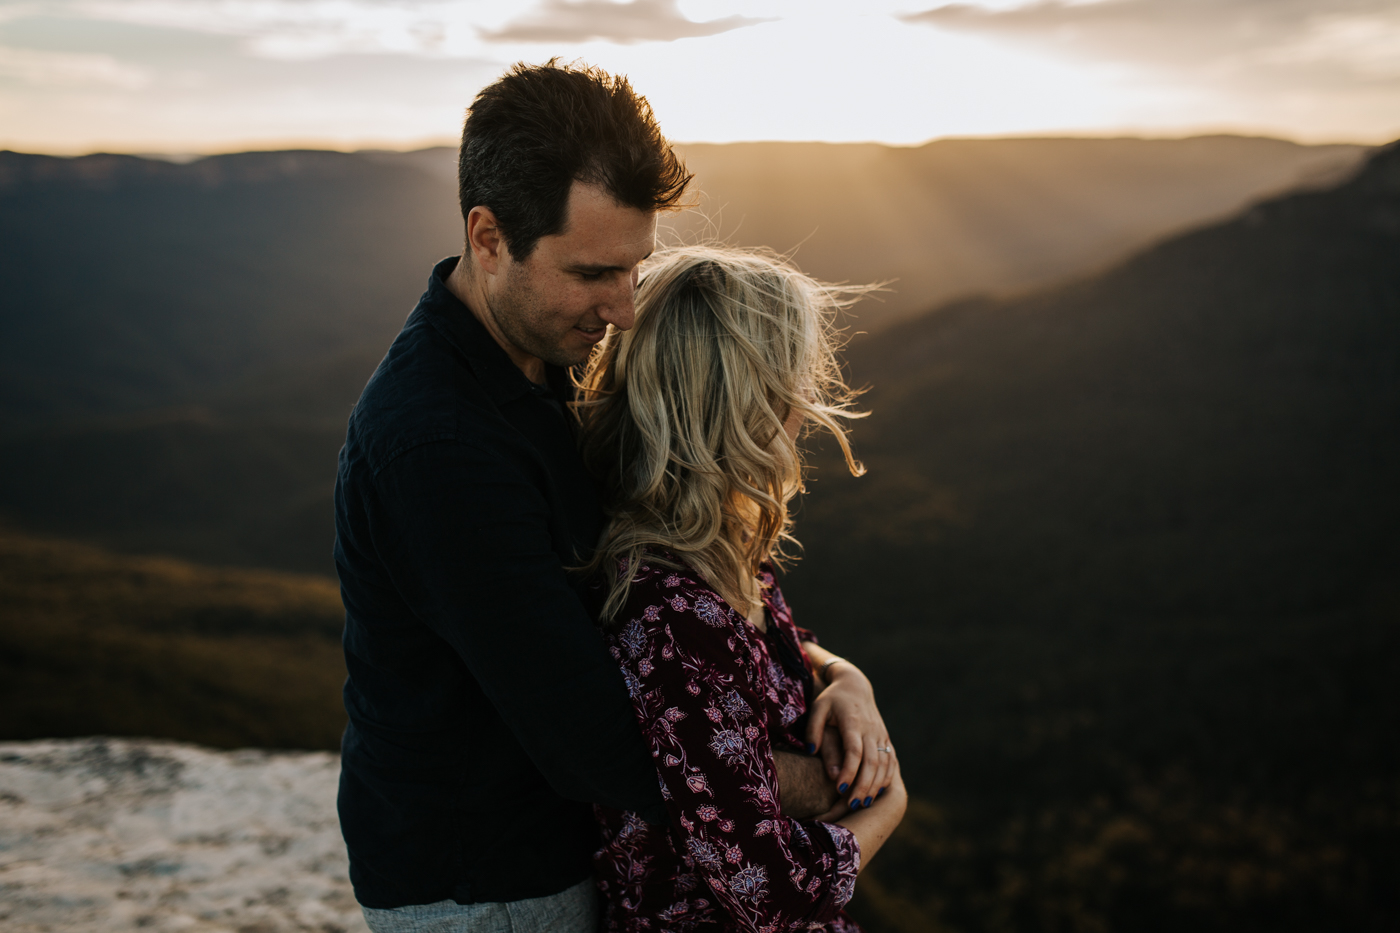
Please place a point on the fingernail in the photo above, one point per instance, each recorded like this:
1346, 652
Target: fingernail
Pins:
855, 804
842, 788
811, 749
869, 800
881, 792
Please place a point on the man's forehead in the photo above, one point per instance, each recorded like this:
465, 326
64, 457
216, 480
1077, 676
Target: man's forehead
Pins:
598, 229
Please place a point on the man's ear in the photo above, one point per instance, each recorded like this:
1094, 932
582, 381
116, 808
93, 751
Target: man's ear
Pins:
485, 240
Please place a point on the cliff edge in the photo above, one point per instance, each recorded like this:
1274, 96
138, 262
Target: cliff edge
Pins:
121, 834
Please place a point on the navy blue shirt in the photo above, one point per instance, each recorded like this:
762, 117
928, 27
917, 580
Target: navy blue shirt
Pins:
485, 713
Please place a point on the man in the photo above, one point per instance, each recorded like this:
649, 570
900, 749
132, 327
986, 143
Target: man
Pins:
485, 714
484, 711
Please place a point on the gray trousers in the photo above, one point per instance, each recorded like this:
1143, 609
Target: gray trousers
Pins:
573, 911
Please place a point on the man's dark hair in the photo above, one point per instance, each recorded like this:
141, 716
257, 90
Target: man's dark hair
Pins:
539, 128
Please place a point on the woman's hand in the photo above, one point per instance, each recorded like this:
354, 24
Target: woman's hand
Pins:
863, 762
873, 826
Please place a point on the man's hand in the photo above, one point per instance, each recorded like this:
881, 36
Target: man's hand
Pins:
804, 790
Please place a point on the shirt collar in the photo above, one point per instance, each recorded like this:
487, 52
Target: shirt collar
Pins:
493, 368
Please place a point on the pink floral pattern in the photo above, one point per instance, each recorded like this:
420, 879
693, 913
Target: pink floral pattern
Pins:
714, 699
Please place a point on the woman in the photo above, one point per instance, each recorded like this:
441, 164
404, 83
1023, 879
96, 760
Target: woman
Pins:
691, 421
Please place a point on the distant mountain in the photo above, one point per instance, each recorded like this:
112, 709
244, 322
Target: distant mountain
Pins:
180, 344
1126, 573
132, 284
961, 216
965, 216
1214, 423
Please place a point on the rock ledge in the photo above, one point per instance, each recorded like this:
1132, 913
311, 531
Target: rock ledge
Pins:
121, 834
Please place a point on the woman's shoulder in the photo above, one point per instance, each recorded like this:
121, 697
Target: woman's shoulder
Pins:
674, 628
665, 580
664, 585
668, 595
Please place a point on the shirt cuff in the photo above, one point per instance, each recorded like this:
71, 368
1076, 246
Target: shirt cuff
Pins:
847, 852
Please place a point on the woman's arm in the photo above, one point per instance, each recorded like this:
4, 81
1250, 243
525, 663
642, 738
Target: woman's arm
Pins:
863, 763
874, 824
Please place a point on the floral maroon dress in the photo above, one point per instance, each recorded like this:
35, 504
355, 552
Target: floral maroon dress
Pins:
714, 697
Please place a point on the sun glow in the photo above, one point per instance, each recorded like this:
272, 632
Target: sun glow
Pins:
209, 75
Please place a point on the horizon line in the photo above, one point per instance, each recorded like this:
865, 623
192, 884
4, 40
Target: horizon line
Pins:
175, 154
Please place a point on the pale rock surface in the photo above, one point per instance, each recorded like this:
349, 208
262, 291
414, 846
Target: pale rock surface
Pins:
115, 834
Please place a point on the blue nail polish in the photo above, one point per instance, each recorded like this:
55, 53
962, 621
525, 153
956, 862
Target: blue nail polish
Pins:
855, 804
881, 792
842, 788
869, 800
811, 749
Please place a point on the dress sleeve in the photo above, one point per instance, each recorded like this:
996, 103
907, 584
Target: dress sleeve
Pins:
698, 684
780, 605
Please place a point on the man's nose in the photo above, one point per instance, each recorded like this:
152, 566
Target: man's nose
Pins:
620, 310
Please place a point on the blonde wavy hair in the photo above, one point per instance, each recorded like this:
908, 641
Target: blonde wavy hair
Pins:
688, 417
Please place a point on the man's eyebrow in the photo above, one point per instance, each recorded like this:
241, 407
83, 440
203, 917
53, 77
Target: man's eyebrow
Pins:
585, 267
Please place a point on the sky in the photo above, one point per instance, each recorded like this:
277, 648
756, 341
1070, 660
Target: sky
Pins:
197, 76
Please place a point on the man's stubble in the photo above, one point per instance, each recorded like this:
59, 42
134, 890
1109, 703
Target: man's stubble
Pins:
524, 318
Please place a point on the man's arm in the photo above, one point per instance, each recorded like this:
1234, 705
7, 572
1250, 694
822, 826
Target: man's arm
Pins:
466, 540
804, 790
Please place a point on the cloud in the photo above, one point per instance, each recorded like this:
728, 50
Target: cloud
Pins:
10, 10
294, 29
1332, 41
312, 29
1369, 44
623, 23
70, 69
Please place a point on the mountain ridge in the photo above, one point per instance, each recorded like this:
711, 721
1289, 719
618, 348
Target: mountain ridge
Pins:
134, 283
1125, 572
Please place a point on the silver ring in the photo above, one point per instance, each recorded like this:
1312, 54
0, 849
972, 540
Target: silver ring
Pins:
883, 749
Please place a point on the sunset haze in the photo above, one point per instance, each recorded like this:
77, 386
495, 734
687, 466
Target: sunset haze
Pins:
199, 76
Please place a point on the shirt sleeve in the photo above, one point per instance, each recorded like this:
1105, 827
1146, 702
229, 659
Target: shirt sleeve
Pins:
466, 540
698, 686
